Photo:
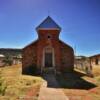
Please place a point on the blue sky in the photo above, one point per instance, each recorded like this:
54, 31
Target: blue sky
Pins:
79, 19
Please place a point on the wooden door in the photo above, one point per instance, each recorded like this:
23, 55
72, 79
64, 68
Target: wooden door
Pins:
48, 60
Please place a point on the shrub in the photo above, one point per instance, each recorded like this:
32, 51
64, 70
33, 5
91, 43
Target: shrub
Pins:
8, 60
3, 86
31, 70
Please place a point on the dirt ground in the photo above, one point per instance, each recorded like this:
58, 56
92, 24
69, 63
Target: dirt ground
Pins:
78, 86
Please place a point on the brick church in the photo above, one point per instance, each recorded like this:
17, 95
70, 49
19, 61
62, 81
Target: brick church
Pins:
48, 52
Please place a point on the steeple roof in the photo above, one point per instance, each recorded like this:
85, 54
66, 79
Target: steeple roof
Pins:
48, 23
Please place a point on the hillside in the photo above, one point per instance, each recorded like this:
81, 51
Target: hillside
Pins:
10, 51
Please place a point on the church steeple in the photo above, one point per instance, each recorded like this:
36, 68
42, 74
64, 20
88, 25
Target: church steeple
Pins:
48, 24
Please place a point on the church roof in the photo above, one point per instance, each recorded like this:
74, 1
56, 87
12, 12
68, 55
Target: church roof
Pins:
48, 23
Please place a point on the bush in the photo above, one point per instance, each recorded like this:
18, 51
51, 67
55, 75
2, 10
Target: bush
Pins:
31, 70
3, 86
8, 60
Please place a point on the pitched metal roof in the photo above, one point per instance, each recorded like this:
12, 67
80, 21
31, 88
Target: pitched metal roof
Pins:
48, 23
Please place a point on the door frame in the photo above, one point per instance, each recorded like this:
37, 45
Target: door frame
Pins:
53, 56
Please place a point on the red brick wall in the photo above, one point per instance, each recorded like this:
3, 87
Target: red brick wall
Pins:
29, 56
67, 57
64, 55
54, 43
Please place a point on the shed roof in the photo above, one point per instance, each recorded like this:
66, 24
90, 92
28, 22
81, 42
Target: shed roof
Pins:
1, 55
97, 55
48, 23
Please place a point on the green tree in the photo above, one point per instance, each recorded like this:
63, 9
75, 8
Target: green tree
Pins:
8, 60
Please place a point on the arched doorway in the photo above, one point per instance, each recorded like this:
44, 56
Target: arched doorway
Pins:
48, 57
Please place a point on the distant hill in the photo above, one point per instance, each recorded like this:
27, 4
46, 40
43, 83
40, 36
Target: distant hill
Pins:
10, 51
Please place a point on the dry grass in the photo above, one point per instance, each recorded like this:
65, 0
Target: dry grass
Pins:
18, 85
23, 86
96, 71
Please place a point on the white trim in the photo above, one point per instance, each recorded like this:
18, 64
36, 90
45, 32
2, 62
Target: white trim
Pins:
43, 63
53, 59
48, 29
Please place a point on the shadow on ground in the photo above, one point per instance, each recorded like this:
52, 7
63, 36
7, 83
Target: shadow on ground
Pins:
71, 80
